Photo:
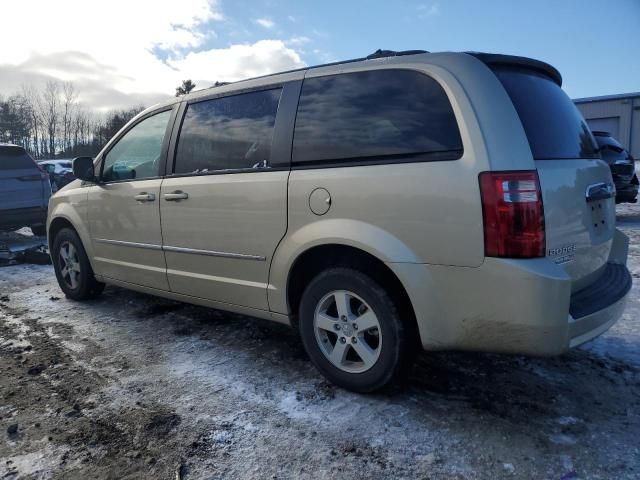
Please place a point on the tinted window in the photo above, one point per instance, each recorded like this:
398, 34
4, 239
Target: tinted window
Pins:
14, 158
380, 113
137, 154
554, 126
227, 133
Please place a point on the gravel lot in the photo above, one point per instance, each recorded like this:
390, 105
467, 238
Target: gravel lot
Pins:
131, 386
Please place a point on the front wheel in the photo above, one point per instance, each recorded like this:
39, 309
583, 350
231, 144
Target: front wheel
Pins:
73, 270
352, 330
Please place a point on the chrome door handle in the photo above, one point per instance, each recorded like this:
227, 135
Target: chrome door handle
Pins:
176, 196
145, 197
600, 191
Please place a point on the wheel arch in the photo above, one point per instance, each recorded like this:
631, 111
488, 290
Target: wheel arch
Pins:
315, 259
58, 222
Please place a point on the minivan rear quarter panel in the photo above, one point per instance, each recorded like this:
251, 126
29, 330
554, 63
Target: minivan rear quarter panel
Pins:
417, 212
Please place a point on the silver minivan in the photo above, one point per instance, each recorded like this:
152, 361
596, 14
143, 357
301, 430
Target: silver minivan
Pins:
24, 190
443, 201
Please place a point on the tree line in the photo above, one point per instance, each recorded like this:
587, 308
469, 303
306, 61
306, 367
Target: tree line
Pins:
50, 122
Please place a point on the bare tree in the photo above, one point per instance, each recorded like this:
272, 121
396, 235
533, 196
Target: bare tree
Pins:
31, 98
50, 113
52, 121
68, 105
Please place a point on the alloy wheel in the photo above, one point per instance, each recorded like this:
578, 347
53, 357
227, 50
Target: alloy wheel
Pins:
347, 331
69, 265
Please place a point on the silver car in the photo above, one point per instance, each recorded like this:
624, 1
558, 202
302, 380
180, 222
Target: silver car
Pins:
443, 201
24, 191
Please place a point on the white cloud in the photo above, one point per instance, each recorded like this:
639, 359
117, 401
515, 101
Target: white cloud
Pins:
426, 10
265, 22
238, 62
301, 40
110, 49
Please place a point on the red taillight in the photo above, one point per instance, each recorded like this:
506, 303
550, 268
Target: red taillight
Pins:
513, 214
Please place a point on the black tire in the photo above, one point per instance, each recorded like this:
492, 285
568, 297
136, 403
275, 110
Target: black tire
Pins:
395, 349
39, 230
87, 286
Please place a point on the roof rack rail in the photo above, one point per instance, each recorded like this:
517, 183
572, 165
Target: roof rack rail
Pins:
392, 53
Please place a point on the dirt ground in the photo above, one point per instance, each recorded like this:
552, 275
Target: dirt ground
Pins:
131, 386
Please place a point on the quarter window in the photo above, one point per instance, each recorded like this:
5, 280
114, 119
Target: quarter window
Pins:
379, 114
138, 153
227, 133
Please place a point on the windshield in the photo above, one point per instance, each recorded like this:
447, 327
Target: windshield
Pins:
554, 126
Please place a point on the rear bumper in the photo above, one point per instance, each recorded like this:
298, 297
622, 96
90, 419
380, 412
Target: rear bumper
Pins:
587, 328
595, 308
513, 306
22, 217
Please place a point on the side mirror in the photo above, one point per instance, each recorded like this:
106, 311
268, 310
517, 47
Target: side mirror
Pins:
83, 169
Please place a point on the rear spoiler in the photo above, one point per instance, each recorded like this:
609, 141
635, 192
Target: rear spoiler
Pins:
495, 59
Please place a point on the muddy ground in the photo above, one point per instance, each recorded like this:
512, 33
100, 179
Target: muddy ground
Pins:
131, 386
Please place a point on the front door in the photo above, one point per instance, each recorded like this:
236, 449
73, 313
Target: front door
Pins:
124, 212
224, 208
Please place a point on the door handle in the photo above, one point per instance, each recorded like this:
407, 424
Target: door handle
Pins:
176, 196
145, 197
600, 191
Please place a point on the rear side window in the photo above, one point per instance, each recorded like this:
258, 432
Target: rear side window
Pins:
227, 133
553, 125
374, 115
15, 158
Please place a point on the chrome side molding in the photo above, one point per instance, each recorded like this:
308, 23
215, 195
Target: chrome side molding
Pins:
194, 251
149, 246
212, 253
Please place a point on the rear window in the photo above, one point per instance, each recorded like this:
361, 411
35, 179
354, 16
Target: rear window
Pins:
380, 115
15, 158
554, 126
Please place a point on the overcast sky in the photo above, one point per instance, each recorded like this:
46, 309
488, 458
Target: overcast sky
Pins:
125, 52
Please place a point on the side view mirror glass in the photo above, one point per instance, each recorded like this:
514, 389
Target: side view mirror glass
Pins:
83, 169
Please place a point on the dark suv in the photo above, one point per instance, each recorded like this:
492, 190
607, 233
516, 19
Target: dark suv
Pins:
24, 191
622, 164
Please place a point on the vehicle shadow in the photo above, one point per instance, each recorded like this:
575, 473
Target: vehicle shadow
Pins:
517, 389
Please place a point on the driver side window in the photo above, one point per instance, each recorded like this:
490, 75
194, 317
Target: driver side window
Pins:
137, 154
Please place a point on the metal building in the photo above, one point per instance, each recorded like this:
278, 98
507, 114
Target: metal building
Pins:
617, 114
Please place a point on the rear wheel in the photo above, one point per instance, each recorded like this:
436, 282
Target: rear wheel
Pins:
352, 330
73, 270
